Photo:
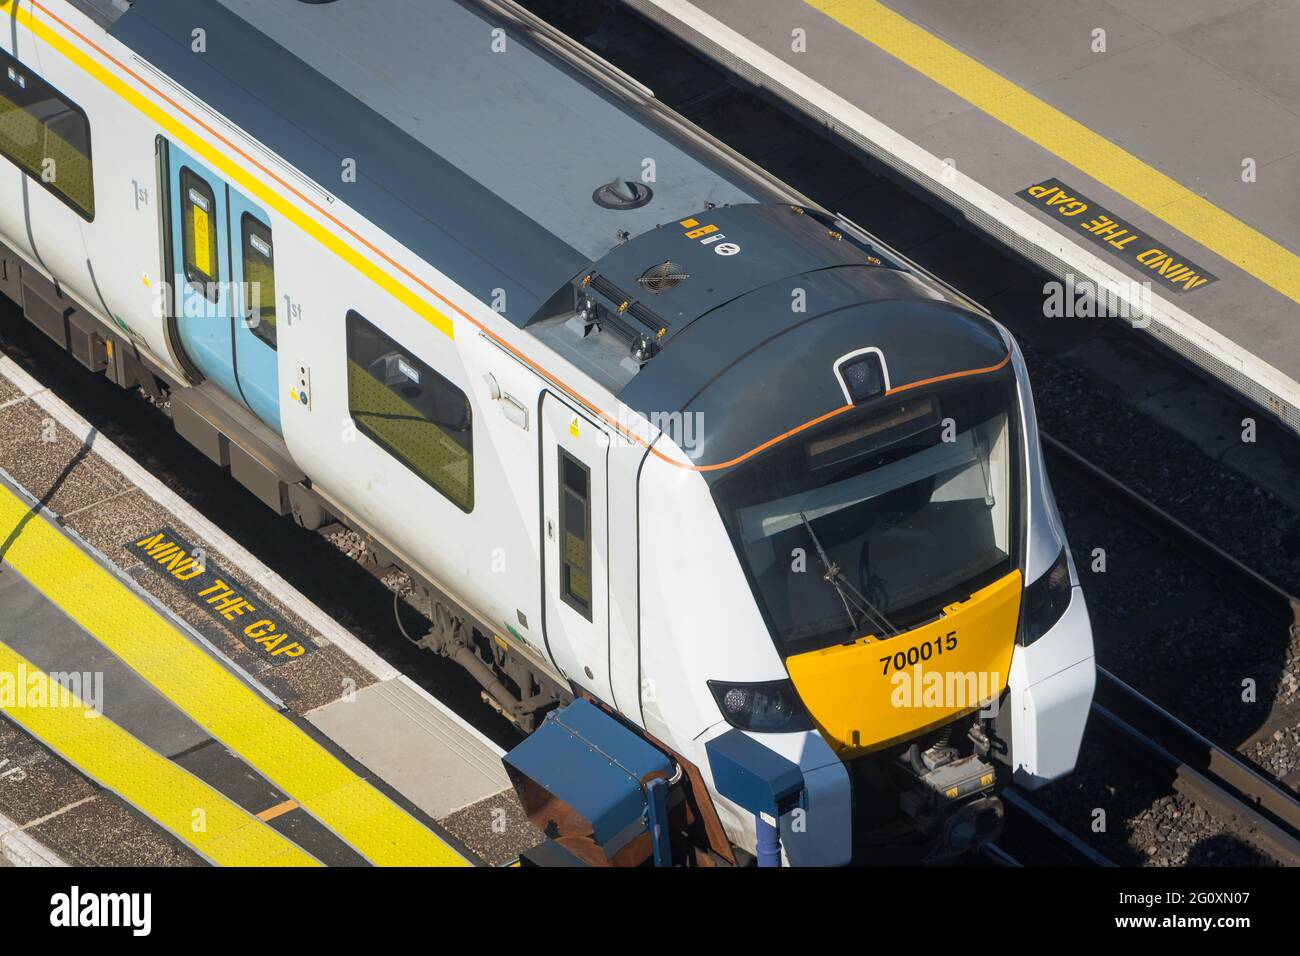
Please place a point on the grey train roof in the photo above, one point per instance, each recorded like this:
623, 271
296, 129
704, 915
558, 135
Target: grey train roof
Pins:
484, 164
732, 364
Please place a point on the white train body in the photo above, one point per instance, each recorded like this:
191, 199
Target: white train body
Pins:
669, 606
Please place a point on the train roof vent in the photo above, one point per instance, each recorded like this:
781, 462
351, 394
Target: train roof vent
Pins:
620, 194
661, 278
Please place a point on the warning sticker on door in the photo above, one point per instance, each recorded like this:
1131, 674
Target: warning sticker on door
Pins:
202, 240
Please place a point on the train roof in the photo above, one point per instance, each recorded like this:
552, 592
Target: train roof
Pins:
795, 288
486, 162
483, 160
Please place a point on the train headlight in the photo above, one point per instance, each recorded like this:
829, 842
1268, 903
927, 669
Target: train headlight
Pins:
771, 706
1045, 601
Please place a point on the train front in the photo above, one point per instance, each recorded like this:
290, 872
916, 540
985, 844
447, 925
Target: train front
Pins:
871, 456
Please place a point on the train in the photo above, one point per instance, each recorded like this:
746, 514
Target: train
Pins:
647, 428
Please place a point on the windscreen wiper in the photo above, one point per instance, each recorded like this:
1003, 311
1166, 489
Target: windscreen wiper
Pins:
850, 596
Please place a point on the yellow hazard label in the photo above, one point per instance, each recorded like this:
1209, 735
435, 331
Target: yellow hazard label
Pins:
689, 223
702, 231
573, 428
202, 240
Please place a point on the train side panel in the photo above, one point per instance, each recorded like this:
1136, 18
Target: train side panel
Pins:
486, 559
33, 219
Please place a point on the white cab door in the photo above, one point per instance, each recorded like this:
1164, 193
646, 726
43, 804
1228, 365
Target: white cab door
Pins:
575, 575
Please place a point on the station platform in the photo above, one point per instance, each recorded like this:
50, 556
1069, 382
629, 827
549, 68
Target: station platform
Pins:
165, 699
1149, 148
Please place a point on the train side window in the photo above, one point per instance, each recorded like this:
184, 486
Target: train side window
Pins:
46, 136
575, 534
199, 234
259, 278
417, 415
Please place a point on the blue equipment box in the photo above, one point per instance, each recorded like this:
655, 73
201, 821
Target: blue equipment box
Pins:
582, 778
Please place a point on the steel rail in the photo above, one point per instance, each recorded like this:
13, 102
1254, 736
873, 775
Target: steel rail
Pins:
1016, 800
1217, 780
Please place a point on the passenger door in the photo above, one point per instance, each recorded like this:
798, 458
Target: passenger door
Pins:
253, 267
575, 576
221, 259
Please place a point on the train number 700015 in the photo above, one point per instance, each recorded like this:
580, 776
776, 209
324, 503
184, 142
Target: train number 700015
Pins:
920, 652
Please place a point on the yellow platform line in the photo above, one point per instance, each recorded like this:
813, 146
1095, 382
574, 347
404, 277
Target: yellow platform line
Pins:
169, 795
213, 698
1163, 197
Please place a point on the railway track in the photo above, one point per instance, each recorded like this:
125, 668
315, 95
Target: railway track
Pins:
1246, 801
1054, 448
1184, 577
1220, 782
1218, 778
1066, 847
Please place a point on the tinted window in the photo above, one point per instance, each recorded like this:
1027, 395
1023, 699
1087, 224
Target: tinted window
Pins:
416, 414
259, 279
575, 534
910, 516
44, 134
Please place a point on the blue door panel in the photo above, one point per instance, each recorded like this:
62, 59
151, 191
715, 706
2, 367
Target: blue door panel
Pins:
225, 315
256, 360
202, 306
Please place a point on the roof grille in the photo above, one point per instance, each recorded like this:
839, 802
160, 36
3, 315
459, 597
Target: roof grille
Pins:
610, 291
663, 277
647, 318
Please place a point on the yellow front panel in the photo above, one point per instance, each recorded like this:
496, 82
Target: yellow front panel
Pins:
873, 692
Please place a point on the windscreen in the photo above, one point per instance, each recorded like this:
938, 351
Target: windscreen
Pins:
874, 524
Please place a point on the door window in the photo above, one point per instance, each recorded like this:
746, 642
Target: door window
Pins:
199, 234
575, 534
259, 279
